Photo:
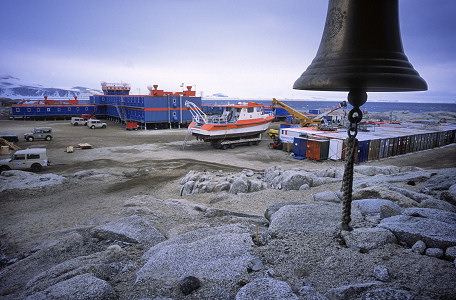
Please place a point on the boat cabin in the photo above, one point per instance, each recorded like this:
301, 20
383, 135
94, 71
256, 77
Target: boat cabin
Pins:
231, 113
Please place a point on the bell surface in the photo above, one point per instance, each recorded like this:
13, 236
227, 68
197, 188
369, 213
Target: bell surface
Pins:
361, 49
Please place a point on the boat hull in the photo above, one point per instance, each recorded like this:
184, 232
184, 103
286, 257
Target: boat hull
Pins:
229, 130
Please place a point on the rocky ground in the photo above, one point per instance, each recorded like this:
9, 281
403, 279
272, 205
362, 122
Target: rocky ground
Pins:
139, 216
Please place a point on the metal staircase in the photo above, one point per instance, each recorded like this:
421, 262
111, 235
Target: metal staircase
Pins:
121, 111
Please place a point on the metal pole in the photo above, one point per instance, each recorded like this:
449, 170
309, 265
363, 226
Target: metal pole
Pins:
180, 110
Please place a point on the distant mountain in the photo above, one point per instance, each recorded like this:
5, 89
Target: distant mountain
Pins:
218, 95
12, 87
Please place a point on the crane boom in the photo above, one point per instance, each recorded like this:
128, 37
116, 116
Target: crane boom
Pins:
302, 118
342, 104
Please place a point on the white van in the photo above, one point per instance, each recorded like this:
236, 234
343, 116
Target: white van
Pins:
75, 121
94, 123
32, 158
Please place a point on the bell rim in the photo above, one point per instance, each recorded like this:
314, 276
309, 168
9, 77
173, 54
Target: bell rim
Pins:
344, 82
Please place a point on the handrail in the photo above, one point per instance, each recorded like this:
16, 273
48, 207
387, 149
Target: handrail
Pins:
198, 115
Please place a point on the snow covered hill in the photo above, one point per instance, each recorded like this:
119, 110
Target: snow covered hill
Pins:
12, 87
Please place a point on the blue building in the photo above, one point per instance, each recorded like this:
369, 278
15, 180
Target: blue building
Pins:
45, 109
159, 109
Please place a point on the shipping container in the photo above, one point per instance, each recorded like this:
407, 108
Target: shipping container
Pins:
452, 136
440, 139
427, 141
447, 140
317, 149
384, 145
392, 147
412, 144
401, 145
374, 150
280, 113
434, 140
287, 134
423, 141
408, 148
300, 147
363, 151
385, 141
336, 149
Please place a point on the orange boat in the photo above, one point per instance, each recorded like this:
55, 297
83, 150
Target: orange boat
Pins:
228, 121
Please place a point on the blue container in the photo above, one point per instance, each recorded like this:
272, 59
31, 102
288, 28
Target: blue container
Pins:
314, 111
300, 147
289, 119
280, 112
363, 151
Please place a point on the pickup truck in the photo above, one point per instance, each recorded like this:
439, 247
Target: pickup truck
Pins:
33, 158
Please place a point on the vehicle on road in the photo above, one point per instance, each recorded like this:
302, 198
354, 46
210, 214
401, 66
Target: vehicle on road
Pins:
34, 159
94, 123
40, 133
75, 121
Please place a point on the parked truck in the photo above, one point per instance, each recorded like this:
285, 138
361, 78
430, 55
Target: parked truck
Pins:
94, 123
34, 159
76, 121
39, 133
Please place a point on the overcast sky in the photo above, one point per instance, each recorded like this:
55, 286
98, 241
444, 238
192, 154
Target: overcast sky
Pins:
246, 48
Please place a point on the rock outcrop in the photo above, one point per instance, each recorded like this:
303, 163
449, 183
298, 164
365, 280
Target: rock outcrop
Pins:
402, 246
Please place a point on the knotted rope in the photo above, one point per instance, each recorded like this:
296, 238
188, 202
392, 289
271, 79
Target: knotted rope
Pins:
347, 183
351, 143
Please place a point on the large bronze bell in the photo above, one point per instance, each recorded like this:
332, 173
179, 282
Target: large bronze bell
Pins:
361, 49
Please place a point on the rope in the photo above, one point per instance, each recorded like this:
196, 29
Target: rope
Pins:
347, 183
354, 116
